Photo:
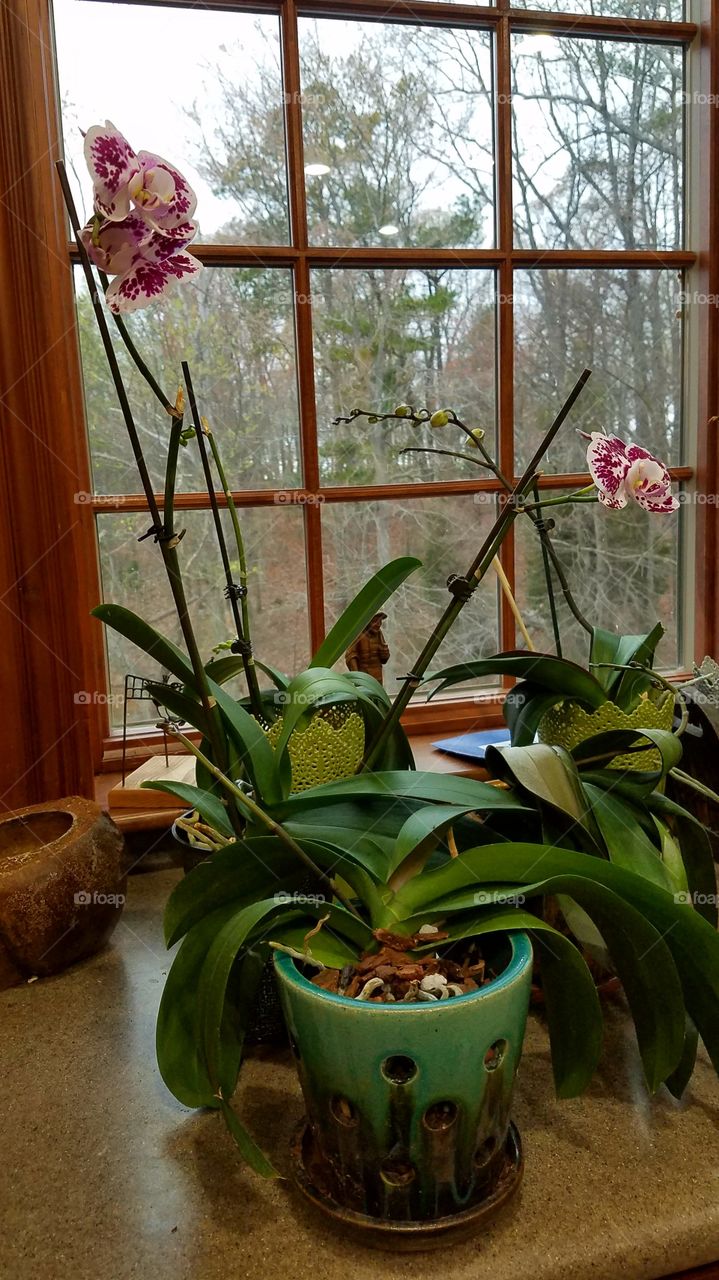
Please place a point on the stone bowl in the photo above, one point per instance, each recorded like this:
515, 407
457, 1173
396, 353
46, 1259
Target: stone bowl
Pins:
62, 886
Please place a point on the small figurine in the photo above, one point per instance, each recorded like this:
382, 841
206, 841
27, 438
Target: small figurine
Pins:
370, 650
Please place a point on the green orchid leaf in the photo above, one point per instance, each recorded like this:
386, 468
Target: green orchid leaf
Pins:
209, 807
156, 646
523, 709
393, 786
179, 1053
362, 609
601, 748
671, 856
696, 853
624, 838
363, 681
623, 687
419, 835
238, 874
247, 1146
549, 774
544, 670
269, 780
679, 1079
642, 960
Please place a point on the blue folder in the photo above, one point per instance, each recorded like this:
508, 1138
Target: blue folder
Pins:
472, 746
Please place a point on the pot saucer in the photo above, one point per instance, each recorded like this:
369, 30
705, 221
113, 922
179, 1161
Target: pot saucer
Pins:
406, 1236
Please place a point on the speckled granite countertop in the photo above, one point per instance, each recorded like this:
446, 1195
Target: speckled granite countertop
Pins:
103, 1174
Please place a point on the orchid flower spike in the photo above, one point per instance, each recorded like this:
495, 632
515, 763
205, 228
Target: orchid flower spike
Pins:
622, 471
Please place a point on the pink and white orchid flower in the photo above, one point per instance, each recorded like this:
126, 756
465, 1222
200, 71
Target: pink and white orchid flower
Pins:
622, 471
143, 220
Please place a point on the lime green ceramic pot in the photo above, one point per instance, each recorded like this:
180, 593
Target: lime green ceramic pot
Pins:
569, 724
329, 749
409, 1104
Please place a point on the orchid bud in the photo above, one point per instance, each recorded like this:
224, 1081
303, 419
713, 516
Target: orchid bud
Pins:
475, 437
440, 418
403, 411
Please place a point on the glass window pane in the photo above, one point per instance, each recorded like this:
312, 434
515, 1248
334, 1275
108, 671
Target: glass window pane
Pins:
445, 534
597, 143
623, 571
386, 337
397, 134
133, 575
209, 99
646, 10
235, 327
624, 326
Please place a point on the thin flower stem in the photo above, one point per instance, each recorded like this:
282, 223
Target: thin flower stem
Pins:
477, 570
237, 529
249, 667
135, 354
258, 814
165, 538
543, 532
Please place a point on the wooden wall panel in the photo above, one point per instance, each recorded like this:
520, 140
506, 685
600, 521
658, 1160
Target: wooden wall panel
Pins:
47, 572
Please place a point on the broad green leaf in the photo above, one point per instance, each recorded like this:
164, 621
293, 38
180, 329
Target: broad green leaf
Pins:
643, 962
696, 852
208, 806
624, 838
549, 774
367, 684
179, 1052
246, 1144
555, 675
422, 828
601, 748
241, 873
362, 609
523, 709
231, 665
623, 687
156, 646
255, 752
396, 785
679, 1079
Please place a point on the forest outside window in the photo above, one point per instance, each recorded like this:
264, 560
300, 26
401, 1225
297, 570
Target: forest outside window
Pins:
430, 211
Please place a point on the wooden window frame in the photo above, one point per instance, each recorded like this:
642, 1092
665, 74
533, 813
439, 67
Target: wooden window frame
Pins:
29, 132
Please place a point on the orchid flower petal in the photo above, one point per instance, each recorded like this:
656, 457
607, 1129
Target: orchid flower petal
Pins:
614, 502
163, 192
115, 245
112, 164
608, 464
658, 505
164, 244
146, 281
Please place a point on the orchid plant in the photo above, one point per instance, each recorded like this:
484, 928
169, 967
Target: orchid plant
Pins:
411, 848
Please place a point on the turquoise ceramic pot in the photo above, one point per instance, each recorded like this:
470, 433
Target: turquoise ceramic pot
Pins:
409, 1105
